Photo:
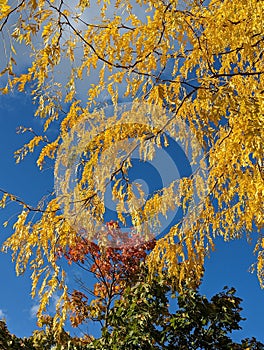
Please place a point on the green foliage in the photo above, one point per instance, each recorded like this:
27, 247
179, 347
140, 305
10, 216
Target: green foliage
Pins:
44, 339
142, 320
145, 318
9, 341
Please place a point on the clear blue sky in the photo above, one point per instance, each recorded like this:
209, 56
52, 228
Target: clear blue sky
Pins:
228, 265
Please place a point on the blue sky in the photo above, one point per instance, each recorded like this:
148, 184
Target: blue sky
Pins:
228, 265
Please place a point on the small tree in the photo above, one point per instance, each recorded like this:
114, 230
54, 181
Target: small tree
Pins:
142, 319
136, 312
114, 268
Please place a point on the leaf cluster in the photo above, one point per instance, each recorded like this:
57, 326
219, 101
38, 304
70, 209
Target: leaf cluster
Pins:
142, 319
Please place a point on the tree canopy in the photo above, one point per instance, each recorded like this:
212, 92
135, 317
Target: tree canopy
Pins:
197, 323
142, 320
187, 68
133, 311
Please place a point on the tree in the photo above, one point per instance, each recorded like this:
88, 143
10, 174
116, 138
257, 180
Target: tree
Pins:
184, 63
136, 312
143, 316
8, 341
196, 324
113, 268
44, 339
142, 320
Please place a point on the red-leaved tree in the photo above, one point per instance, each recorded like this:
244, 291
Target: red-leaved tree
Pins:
115, 265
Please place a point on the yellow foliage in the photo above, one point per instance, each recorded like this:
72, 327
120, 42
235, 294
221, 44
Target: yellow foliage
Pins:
29, 147
203, 63
4, 9
47, 151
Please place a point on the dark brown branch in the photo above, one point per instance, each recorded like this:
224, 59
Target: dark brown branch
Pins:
216, 75
16, 199
101, 58
122, 26
178, 109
